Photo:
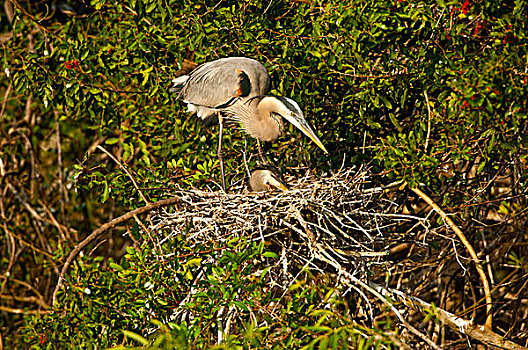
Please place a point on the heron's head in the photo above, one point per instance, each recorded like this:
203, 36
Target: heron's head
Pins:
266, 178
290, 110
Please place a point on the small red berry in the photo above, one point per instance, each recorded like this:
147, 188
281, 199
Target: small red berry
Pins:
465, 7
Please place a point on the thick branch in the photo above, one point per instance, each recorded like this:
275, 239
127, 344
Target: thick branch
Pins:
103, 229
462, 237
475, 331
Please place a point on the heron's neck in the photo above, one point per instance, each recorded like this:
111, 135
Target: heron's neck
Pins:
259, 121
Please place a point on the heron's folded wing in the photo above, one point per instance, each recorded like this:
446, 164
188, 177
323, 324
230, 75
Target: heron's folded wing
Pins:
215, 86
220, 83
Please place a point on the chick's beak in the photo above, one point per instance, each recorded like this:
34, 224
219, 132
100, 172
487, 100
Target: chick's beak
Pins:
283, 187
278, 183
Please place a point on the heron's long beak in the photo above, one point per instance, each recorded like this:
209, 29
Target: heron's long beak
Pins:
302, 124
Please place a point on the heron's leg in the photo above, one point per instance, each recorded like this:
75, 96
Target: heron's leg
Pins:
261, 153
219, 153
245, 154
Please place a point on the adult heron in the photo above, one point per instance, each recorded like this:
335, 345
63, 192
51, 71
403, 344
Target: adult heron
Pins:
237, 89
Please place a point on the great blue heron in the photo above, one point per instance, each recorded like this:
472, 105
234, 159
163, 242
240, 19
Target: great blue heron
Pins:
237, 89
266, 178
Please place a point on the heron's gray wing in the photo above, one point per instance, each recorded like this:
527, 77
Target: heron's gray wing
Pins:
218, 84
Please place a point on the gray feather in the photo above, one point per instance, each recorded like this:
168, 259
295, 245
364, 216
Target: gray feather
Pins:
218, 84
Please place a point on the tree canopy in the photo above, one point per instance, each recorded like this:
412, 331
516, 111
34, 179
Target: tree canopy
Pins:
429, 94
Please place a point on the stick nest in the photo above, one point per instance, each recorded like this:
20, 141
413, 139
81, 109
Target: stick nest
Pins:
336, 214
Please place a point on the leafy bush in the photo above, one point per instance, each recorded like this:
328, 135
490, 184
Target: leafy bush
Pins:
431, 93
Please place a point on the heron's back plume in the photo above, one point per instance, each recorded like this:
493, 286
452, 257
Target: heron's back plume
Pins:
179, 83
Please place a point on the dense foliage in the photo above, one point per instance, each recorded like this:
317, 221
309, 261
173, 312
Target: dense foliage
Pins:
429, 92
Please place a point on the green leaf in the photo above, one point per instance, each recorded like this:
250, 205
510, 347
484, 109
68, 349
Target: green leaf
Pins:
151, 7
241, 306
270, 255
106, 192
136, 337
116, 267
112, 141
395, 121
194, 262
385, 102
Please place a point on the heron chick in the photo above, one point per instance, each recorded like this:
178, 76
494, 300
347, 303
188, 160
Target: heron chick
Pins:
266, 178
237, 89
